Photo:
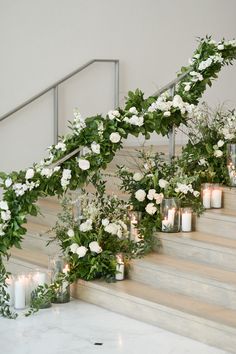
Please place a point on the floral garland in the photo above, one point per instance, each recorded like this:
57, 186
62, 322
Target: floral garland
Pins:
102, 137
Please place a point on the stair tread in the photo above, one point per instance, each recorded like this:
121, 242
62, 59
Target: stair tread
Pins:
31, 256
179, 302
221, 214
188, 267
205, 239
34, 228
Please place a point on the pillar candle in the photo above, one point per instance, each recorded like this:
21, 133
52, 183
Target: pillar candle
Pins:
20, 293
187, 221
206, 198
171, 216
216, 197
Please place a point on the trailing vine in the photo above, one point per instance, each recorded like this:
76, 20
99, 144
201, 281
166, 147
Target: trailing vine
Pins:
101, 137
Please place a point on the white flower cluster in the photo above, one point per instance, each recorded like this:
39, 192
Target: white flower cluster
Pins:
82, 250
165, 104
86, 226
229, 128
66, 177
5, 216
113, 115
217, 151
152, 195
61, 146
185, 188
118, 228
78, 123
135, 119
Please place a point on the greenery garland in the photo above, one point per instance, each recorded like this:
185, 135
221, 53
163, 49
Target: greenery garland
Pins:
102, 137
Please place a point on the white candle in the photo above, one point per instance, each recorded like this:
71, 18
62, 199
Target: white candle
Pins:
20, 293
10, 291
186, 221
171, 216
120, 271
206, 198
216, 196
165, 224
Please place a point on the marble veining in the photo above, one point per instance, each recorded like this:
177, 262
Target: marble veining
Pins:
73, 328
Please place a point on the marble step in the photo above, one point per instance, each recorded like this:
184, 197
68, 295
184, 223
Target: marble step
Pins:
198, 280
220, 222
208, 323
200, 247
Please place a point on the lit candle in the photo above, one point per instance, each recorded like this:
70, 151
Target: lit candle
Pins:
186, 225
120, 268
206, 196
10, 290
39, 278
20, 293
66, 269
166, 224
216, 197
171, 216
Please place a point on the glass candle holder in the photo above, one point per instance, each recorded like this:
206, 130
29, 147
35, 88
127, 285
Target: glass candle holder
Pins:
206, 189
134, 217
216, 196
186, 219
59, 267
120, 267
231, 163
39, 278
170, 214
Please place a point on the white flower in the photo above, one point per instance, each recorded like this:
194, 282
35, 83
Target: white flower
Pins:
60, 146
47, 172
70, 233
111, 228
81, 251
196, 194
137, 176
6, 215
218, 153
66, 174
94, 247
135, 120
151, 194
3, 205
114, 137
177, 101
105, 222
86, 226
202, 162
220, 143
183, 188
158, 197
220, 47
167, 114
95, 147
140, 195
187, 87
57, 168
83, 164
204, 64
133, 110
113, 114
20, 189
163, 183
29, 173
74, 247
150, 208
8, 182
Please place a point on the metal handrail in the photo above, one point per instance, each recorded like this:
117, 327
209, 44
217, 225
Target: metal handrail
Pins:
55, 86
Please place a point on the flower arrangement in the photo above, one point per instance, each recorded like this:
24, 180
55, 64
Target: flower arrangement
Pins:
101, 137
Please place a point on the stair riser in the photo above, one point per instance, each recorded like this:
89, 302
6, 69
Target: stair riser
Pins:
16, 266
200, 254
160, 316
37, 243
229, 199
216, 227
200, 288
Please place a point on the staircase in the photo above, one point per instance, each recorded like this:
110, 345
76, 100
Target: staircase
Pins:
188, 287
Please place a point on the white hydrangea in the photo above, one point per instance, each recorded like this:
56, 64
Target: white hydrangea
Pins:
140, 195
86, 226
151, 208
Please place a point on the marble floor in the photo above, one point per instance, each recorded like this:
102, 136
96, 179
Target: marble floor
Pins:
74, 328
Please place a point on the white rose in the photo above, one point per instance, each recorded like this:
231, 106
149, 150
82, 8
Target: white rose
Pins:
220, 47
105, 222
151, 194
47, 172
86, 226
83, 164
114, 137
74, 247
137, 176
202, 162
6, 215
140, 195
56, 169
70, 233
220, 143
94, 247
167, 114
196, 194
163, 183
81, 251
187, 87
3, 205
8, 182
60, 146
95, 147
158, 197
218, 153
29, 173
66, 174
133, 110
111, 229
150, 208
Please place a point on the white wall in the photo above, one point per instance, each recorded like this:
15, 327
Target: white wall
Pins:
43, 40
